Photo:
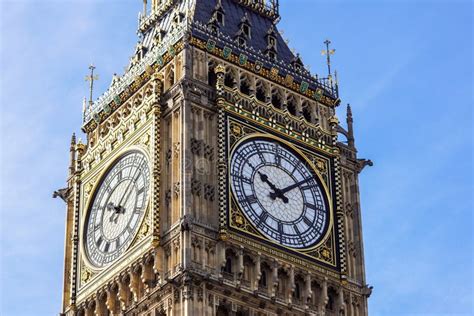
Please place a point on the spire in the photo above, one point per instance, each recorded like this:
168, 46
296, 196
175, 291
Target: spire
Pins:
91, 78
328, 53
350, 127
72, 154
73, 140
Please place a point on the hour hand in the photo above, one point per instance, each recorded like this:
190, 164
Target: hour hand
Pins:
116, 211
276, 192
264, 178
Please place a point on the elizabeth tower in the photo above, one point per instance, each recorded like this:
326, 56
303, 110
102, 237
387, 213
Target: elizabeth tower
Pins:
216, 178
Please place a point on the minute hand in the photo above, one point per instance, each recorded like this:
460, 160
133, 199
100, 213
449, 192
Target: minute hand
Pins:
294, 186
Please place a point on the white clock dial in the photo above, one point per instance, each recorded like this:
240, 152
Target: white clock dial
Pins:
118, 207
279, 193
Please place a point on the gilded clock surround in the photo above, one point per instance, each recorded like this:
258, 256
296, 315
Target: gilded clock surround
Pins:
145, 222
325, 250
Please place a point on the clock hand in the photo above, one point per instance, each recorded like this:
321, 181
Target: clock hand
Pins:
264, 178
116, 211
276, 192
128, 187
294, 186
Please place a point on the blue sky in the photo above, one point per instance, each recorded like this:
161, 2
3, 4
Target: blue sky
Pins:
406, 66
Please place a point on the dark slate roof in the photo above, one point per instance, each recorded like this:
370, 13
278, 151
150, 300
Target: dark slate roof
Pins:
234, 13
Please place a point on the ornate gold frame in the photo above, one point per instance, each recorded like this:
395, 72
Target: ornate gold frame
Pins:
325, 250
88, 203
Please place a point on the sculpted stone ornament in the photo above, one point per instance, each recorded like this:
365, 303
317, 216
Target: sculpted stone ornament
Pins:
362, 163
62, 194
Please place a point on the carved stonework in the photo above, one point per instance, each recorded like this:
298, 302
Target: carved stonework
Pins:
190, 94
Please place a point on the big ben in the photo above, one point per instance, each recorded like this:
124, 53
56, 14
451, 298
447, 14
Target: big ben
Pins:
216, 178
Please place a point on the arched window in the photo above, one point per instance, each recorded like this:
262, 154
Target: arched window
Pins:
228, 265
169, 77
332, 294
244, 85
291, 105
222, 311
229, 80
307, 115
276, 99
211, 75
297, 292
263, 279
260, 93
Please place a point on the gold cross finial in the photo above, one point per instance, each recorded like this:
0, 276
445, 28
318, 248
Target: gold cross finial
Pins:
328, 52
91, 78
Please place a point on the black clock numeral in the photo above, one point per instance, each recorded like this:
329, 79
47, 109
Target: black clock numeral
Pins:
295, 227
313, 207
280, 228
242, 178
296, 166
307, 221
99, 242
263, 218
252, 199
106, 248
309, 186
141, 190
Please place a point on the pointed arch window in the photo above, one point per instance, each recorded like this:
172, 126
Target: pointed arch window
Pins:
242, 41
220, 17
271, 54
297, 63
246, 30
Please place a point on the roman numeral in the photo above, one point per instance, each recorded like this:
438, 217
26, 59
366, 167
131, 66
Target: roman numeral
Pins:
106, 248
280, 228
242, 178
262, 218
296, 230
309, 186
314, 207
140, 191
99, 242
296, 166
252, 199
307, 221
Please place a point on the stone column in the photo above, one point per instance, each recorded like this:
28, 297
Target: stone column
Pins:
323, 300
308, 293
291, 289
257, 272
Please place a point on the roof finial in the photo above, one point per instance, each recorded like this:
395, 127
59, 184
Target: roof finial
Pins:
84, 106
350, 127
328, 52
91, 78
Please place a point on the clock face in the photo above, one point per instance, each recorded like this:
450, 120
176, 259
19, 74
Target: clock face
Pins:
117, 209
279, 193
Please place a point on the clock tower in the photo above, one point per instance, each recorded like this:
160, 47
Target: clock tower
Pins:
216, 178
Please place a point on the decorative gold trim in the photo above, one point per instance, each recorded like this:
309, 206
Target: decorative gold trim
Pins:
241, 132
88, 204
